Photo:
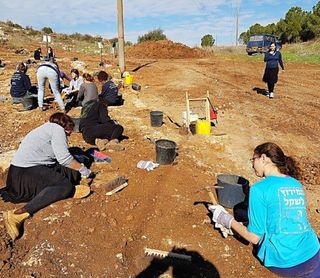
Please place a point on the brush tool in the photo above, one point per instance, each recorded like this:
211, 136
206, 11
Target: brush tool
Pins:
116, 185
164, 254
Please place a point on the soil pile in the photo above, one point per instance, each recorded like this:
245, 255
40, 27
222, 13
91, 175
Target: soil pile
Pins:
164, 50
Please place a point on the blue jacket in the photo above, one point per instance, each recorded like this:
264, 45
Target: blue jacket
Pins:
272, 60
20, 84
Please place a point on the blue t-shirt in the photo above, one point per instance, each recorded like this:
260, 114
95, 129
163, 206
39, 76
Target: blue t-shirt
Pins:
277, 214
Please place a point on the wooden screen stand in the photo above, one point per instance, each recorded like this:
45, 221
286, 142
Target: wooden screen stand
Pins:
206, 107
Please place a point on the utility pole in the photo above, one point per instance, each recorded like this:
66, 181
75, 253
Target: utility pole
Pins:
121, 36
237, 20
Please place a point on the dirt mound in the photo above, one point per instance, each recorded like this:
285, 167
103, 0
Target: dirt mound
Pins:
164, 50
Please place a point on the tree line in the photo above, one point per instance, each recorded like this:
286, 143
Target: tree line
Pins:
297, 26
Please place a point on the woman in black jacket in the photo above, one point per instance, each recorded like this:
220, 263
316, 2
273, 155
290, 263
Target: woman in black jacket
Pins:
98, 128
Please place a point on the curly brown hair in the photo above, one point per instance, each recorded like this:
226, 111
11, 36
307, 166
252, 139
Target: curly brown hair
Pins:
62, 119
88, 77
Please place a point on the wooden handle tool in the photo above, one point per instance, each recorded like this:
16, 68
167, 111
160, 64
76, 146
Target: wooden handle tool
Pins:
212, 198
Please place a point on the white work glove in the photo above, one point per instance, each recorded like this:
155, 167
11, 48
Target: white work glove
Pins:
84, 171
221, 216
148, 165
225, 231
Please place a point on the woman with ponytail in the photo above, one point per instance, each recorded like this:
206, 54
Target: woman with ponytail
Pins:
278, 225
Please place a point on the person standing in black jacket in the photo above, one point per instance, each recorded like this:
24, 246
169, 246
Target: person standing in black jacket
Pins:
21, 88
37, 54
272, 58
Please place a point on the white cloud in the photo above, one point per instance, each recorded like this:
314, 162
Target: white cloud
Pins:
182, 20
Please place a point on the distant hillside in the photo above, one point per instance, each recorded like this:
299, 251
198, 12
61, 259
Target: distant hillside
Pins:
14, 36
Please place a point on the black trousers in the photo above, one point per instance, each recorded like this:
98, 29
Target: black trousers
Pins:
40, 185
270, 87
108, 131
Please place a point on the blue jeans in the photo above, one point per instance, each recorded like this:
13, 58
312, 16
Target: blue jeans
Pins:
43, 74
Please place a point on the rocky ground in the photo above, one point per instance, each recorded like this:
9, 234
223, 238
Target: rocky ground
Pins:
105, 236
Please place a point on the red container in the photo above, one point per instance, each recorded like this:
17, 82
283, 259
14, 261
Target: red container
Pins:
213, 115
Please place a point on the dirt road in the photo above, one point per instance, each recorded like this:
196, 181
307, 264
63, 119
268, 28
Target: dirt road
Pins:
104, 236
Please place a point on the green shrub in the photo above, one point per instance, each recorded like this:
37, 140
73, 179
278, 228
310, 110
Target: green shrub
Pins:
154, 35
207, 41
47, 30
13, 25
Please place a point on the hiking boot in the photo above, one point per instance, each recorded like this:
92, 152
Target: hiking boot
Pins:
271, 95
13, 222
101, 144
115, 146
81, 191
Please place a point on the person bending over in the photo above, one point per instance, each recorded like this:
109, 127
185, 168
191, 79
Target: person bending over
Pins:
49, 70
42, 171
278, 225
98, 129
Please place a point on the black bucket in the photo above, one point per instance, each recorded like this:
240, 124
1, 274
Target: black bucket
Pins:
231, 190
192, 128
76, 124
165, 151
156, 118
29, 102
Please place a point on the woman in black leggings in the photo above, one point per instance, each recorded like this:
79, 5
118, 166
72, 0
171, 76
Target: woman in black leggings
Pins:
42, 171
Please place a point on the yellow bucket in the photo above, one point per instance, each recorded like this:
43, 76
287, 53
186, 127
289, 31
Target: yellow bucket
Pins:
128, 79
203, 127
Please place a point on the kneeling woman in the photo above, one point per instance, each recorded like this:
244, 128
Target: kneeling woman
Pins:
98, 128
278, 225
42, 171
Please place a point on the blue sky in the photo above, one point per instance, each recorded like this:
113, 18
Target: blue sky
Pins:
185, 21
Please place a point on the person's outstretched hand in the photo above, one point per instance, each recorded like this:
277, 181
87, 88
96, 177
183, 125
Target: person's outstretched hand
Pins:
85, 172
221, 216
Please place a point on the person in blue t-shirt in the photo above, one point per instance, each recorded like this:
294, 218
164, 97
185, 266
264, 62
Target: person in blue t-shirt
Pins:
272, 58
278, 224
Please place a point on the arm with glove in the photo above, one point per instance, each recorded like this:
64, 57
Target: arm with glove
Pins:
225, 220
81, 168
